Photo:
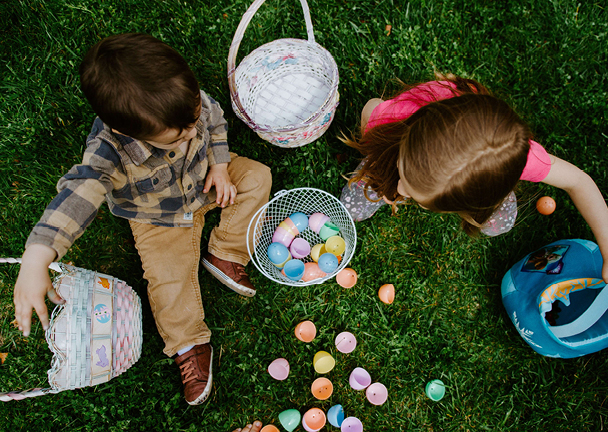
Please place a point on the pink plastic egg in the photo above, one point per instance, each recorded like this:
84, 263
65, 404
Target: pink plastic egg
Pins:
316, 221
282, 236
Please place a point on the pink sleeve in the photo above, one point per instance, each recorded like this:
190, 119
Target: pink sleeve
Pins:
538, 165
407, 103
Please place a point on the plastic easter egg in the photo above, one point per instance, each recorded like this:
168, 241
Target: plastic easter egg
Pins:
376, 393
279, 369
435, 390
323, 362
282, 236
387, 293
545, 205
335, 415
294, 269
347, 278
306, 331
299, 248
316, 221
359, 379
346, 342
270, 428
278, 254
328, 262
316, 251
328, 230
289, 227
312, 272
322, 388
351, 424
290, 419
300, 220
335, 245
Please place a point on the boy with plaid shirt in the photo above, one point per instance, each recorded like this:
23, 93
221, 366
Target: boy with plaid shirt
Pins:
158, 155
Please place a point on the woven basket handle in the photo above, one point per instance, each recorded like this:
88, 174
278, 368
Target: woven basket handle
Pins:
238, 37
19, 395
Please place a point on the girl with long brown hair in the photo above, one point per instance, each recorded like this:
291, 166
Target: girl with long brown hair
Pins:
454, 148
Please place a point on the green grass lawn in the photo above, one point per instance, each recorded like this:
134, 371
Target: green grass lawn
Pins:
547, 58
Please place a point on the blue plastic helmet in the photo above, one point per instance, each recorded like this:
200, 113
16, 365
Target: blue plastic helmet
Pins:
556, 299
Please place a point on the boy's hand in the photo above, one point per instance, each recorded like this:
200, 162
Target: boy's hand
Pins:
218, 177
33, 283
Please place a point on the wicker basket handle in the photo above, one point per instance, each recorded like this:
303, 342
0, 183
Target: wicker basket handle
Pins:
53, 266
19, 395
238, 37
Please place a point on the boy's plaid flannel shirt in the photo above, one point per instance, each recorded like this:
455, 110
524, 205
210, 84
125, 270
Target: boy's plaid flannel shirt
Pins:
138, 181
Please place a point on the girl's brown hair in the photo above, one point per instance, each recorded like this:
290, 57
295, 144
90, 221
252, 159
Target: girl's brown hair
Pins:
139, 85
466, 153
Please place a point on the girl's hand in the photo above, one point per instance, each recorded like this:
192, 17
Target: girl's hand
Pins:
218, 177
33, 283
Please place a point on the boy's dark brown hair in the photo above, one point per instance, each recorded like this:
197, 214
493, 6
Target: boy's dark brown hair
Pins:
467, 153
139, 85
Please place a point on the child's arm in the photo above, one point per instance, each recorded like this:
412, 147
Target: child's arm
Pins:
33, 283
586, 197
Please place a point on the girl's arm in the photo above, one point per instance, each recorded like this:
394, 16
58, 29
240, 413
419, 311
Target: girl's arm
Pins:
586, 197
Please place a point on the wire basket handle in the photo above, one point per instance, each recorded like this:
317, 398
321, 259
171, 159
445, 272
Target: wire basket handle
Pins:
53, 266
238, 37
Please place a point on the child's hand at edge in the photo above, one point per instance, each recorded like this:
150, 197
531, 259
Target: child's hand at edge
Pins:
218, 177
33, 283
255, 427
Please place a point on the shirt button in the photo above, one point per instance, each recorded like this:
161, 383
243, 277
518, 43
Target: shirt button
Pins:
172, 154
192, 200
189, 187
155, 181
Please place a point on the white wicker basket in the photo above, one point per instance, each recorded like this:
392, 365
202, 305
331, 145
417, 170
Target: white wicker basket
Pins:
285, 90
308, 201
95, 336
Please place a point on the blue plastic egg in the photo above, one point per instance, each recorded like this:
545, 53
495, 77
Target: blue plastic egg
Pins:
335, 415
328, 262
294, 269
278, 254
300, 220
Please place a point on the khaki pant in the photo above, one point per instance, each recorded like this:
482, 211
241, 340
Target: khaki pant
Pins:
170, 256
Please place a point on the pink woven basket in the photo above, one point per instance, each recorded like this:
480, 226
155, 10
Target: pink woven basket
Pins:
285, 90
95, 336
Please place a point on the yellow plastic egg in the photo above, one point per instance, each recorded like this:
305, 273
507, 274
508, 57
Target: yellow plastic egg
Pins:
335, 245
316, 251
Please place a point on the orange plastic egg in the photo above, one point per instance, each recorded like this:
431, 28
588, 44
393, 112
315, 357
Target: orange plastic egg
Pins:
312, 272
306, 331
545, 205
270, 428
321, 388
314, 419
347, 278
387, 293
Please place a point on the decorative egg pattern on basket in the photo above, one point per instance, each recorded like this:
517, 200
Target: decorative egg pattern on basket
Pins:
95, 336
266, 221
285, 90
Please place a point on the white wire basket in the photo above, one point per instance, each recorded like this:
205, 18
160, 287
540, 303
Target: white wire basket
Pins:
95, 336
285, 90
308, 201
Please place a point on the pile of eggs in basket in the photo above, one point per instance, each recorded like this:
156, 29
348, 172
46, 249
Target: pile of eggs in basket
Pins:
287, 249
